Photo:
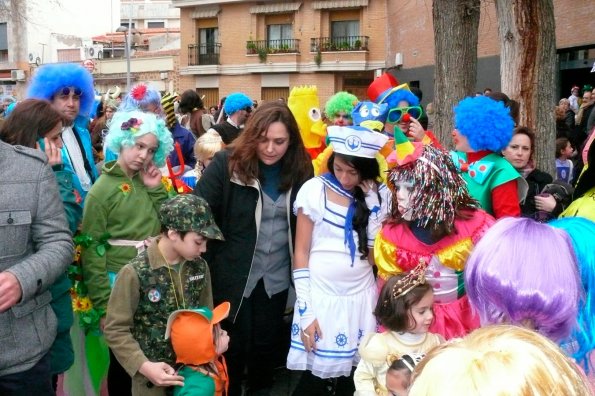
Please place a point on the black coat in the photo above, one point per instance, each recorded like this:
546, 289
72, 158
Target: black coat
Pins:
234, 206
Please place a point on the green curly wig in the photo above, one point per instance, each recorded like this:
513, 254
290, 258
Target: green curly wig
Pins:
340, 102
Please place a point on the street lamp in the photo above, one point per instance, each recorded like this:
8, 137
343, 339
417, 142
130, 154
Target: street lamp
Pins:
126, 31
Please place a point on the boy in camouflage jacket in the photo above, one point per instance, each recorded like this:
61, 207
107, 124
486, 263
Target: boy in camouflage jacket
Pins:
168, 276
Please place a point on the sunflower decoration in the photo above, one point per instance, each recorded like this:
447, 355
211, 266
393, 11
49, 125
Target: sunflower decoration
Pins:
88, 315
81, 304
169, 187
125, 188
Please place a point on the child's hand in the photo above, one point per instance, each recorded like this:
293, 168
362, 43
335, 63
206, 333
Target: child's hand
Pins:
310, 335
151, 176
545, 203
161, 374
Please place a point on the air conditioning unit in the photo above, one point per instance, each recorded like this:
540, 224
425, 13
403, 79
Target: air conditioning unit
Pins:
94, 52
34, 58
17, 75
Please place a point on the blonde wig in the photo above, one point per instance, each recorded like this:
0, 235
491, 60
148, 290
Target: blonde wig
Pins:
501, 360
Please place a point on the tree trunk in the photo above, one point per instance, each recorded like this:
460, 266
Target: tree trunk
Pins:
527, 64
456, 25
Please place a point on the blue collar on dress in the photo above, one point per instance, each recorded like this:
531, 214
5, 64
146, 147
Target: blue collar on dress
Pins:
330, 181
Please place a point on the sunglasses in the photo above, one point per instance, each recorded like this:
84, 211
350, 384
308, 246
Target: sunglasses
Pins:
67, 90
396, 115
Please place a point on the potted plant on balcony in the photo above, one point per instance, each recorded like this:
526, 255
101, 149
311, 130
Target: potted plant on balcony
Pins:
251, 47
262, 54
357, 44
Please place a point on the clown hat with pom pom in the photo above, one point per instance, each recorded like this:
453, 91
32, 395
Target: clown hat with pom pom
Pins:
406, 151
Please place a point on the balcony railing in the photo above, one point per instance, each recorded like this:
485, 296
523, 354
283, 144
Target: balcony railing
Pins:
264, 47
203, 54
339, 43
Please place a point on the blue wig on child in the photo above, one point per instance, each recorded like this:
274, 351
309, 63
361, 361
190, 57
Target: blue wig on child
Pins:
399, 95
236, 101
582, 235
485, 123
52, 77
141, 97
127, 126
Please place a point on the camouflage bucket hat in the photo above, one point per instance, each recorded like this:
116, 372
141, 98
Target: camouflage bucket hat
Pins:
188, 212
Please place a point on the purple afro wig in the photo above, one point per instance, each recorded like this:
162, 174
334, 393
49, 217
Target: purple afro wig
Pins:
525, 273
52, 77
486, 123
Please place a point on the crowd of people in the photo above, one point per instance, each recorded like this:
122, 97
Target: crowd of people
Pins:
152, 246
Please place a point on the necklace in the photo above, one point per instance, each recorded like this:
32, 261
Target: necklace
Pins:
173, 286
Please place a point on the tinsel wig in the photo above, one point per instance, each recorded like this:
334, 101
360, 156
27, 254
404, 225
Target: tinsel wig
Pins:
52, 77
486, 123
341, 102
236, 101
525, 273
439, 193
142, 97
582, 234
127, 126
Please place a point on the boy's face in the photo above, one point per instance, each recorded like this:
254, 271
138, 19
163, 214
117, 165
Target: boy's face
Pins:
191, 246
397, 382
222, 340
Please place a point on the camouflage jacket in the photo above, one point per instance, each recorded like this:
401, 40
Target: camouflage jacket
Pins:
141, 301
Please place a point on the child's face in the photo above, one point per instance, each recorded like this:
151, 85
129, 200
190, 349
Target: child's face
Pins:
191, 246
567, 152
135, 158
397, 382
422, 314
222, 340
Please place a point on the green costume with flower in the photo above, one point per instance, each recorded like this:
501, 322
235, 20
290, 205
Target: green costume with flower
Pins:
117, 208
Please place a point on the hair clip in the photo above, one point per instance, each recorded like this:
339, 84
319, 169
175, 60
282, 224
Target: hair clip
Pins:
132, 125
417, 276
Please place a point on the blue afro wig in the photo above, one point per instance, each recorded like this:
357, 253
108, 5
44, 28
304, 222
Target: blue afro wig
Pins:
150, 123
52, 77
236, 101
401, 94
582, 234
485, 123
141, 97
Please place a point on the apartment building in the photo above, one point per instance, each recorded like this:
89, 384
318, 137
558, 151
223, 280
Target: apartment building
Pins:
149, 14
411, 40
264, 48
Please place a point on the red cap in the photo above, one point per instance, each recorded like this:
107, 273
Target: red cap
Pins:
381, 86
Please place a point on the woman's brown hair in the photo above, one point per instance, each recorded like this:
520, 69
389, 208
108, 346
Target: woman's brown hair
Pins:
296, 164
30, 120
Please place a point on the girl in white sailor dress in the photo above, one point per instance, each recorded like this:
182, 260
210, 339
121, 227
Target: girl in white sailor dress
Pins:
339, 214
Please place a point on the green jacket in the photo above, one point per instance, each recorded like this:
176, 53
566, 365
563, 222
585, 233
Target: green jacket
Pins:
61, 353
125, 209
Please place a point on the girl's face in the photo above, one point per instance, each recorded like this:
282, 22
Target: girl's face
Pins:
568, 151
55, 135
518, 151
221, 340
404, 191
347, 175
133, 159
109, 113
421, 314
273, 143
397, 382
